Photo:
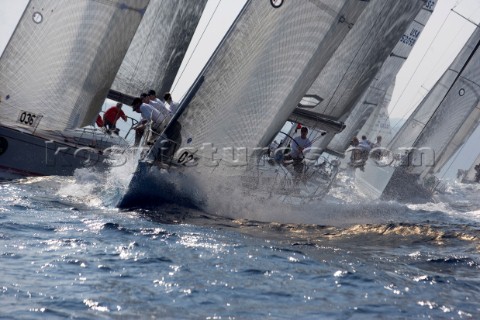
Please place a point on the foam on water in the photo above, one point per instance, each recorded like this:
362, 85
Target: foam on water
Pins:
358, 259
100, 189
223, 198
343, 206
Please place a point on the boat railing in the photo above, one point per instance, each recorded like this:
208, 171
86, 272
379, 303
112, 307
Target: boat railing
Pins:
134, 123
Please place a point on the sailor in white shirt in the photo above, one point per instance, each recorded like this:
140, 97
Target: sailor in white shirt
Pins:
173, 106
156, 103
149, 114
299, 144
299, 147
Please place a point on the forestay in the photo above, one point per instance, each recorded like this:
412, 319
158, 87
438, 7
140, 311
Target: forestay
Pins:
158, 48
370, 115
262, 68
62, 58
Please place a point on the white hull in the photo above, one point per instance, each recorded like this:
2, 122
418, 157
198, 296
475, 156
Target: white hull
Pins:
51, 153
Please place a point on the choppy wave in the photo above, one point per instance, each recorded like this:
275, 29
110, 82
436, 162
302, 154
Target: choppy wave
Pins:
342, 257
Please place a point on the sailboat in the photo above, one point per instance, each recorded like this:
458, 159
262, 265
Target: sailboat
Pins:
355, 65
472, 175
269, 57
370, 115
51, 93
442, 121
54, 76
263, 67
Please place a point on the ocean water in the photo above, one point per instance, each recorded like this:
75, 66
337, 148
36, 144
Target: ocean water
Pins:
67, 252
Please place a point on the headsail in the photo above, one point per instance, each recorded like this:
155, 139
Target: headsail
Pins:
62, 59
370, 115
378, 124
158, 48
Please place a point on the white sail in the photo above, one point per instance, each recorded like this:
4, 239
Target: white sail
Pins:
158, 48
262, 69
454, 120
378, 124
62, 58
346, 77
410, 131
370, 116
452, 103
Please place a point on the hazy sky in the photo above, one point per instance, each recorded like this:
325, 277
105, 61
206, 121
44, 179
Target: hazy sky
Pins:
439, 43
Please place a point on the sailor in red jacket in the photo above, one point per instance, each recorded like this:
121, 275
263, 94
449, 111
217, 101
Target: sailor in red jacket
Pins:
111, 116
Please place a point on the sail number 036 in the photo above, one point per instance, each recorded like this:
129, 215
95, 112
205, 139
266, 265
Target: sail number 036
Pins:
27, 118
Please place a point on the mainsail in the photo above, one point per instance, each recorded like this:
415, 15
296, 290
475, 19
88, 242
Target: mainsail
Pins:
262, 68
62, 58
346, 77
158, 48
369, 116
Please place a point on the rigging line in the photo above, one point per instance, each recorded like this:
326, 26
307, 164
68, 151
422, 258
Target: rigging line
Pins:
195, 48
416, 104
468, 19
416, 69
